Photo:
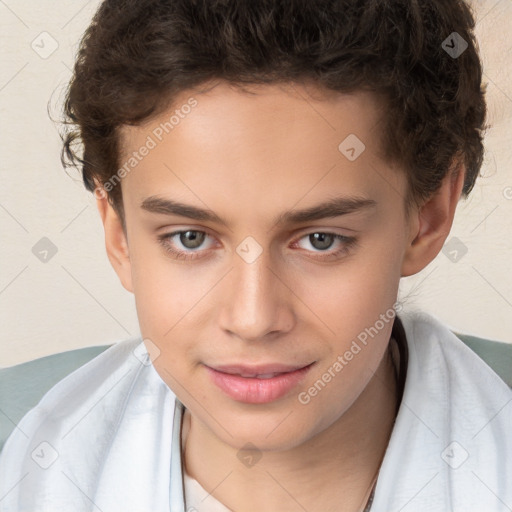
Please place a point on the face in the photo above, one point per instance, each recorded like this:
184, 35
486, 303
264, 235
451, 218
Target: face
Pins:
264, 242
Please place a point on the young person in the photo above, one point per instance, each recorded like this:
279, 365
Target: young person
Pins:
266, 172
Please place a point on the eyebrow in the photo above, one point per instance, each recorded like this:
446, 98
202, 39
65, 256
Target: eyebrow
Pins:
335, 207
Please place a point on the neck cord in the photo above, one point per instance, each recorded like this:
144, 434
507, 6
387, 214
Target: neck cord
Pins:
398, 336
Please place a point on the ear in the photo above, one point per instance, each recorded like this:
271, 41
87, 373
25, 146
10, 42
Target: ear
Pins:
116, 242
431, 223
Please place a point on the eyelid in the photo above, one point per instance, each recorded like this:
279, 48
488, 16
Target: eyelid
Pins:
167, 235
347, 242
294, 236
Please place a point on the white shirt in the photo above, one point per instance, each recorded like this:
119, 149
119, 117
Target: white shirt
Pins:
107, 437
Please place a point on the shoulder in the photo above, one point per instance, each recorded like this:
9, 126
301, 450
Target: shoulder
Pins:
455, 410
450, 383
75, 425
432, 340
81, 386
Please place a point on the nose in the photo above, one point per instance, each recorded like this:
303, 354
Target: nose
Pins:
257, 303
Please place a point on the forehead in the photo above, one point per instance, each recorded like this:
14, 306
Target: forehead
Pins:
274, 107
265, 141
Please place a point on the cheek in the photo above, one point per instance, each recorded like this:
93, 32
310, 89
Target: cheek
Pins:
165, 291
362, 328
355, 304
352, 296
172, 303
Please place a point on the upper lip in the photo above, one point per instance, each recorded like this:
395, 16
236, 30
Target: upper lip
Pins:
260, 369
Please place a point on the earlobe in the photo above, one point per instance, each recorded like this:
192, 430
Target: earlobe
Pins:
116, 242
432, 222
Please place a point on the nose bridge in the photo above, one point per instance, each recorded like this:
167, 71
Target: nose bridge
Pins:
257, 303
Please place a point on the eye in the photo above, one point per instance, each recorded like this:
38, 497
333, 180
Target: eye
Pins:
191, 239
185, 244
321, 242
190, 244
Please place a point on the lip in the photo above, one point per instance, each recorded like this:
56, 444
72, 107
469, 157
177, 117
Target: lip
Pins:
254, 390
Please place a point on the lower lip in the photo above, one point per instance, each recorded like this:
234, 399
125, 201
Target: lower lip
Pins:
257, 391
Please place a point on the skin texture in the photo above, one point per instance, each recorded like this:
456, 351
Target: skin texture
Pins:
249, 158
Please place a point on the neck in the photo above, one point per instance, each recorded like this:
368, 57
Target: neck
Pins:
313, 474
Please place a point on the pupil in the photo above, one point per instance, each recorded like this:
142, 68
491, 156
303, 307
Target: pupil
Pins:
321, 240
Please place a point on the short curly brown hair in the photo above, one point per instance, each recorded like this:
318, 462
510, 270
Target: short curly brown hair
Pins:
137, 55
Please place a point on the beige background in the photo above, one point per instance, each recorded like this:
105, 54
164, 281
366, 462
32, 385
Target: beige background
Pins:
74, 299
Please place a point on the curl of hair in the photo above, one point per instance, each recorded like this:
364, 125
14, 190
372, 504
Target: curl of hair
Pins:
138, 54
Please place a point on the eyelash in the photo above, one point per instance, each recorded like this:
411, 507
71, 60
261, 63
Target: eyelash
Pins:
348, 243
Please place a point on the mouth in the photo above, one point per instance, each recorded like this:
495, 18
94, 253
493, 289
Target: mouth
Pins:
257, 384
